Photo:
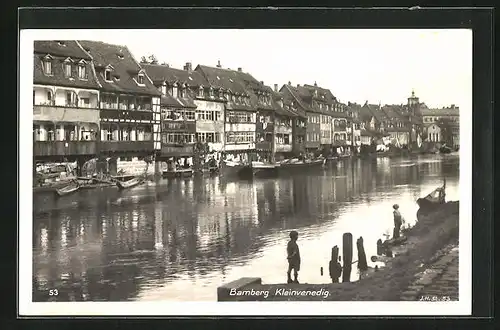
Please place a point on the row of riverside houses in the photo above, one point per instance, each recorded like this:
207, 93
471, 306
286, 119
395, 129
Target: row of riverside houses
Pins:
93, 99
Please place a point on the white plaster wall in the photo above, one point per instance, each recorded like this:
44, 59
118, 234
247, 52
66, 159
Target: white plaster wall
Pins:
134, 166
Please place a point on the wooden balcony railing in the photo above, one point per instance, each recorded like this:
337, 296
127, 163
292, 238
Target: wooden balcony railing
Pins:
126, 146
263, 145
63, 148
179, 150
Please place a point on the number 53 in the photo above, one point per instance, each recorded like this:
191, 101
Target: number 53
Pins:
53, 292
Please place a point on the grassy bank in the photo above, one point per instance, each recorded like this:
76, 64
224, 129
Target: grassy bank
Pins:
432, 233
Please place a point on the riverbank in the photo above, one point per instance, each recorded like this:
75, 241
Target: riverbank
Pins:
426, 240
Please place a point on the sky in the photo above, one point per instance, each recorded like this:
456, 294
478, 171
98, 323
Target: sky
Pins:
356, 65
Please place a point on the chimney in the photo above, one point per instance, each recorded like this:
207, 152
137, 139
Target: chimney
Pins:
453, 106
239, 70
261, 82
315, 84
290, 83
218, 64
276, 87
298, 85
188, 67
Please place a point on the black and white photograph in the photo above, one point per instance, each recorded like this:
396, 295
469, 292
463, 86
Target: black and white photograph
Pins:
186, 176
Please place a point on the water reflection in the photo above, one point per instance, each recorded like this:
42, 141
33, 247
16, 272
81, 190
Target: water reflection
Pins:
180, 239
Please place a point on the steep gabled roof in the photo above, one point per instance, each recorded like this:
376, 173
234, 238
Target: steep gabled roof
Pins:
286, 108
373, 110
163, 73
60, 54
441, 112
222, 78
124, 68
62, 48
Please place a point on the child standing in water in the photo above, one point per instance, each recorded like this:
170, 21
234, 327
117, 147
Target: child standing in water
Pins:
293, 257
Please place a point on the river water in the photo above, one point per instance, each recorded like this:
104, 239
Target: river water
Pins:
179, 239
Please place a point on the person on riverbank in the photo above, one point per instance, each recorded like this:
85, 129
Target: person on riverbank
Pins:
397, 221
293, 256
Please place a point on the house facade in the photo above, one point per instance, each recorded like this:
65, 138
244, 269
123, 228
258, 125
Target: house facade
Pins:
240, 111
129, 108
183, 125
339, 125
285, 117
442, 125
300, 121
65, 102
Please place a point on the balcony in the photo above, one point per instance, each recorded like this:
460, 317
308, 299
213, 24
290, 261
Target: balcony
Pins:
65, 114
263, 145
173, 126
63, 148
177, 150
136, 115
126, 146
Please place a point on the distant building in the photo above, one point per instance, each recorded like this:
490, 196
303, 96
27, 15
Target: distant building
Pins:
442, 125
65, 102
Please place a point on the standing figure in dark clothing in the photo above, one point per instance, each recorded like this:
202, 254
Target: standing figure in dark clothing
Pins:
293, 257
397, 221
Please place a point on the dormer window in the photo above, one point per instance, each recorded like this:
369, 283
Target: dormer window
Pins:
107, 75
180, 92
140, 79
200, 92
211, 92
47, 65
163, 89
120, 56
61, 43
174, 90
82, 71
67, 69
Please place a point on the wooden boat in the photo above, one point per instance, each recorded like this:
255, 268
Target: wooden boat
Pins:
231, 169
130, 183
295, 163
445, 149
178, 173
264, 169
66, 190
434, 199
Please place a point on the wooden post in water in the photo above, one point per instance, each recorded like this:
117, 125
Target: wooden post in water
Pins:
333, 269
380, 248
347, 257
362, 264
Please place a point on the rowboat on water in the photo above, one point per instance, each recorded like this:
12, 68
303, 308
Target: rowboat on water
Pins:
230, 168
264, 169
130, 183
434, 199
295, 163
68, 189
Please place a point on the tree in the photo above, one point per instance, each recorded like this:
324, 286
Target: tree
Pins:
446, 126
151, 59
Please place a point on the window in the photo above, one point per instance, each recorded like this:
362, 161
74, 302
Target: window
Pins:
240, 137
163, 89
47, 67
70, 99
180, 92
140, 79
200, 92
107, 75
174, 90
85, 102
67, 70
82, 71
239, 117
49, 96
